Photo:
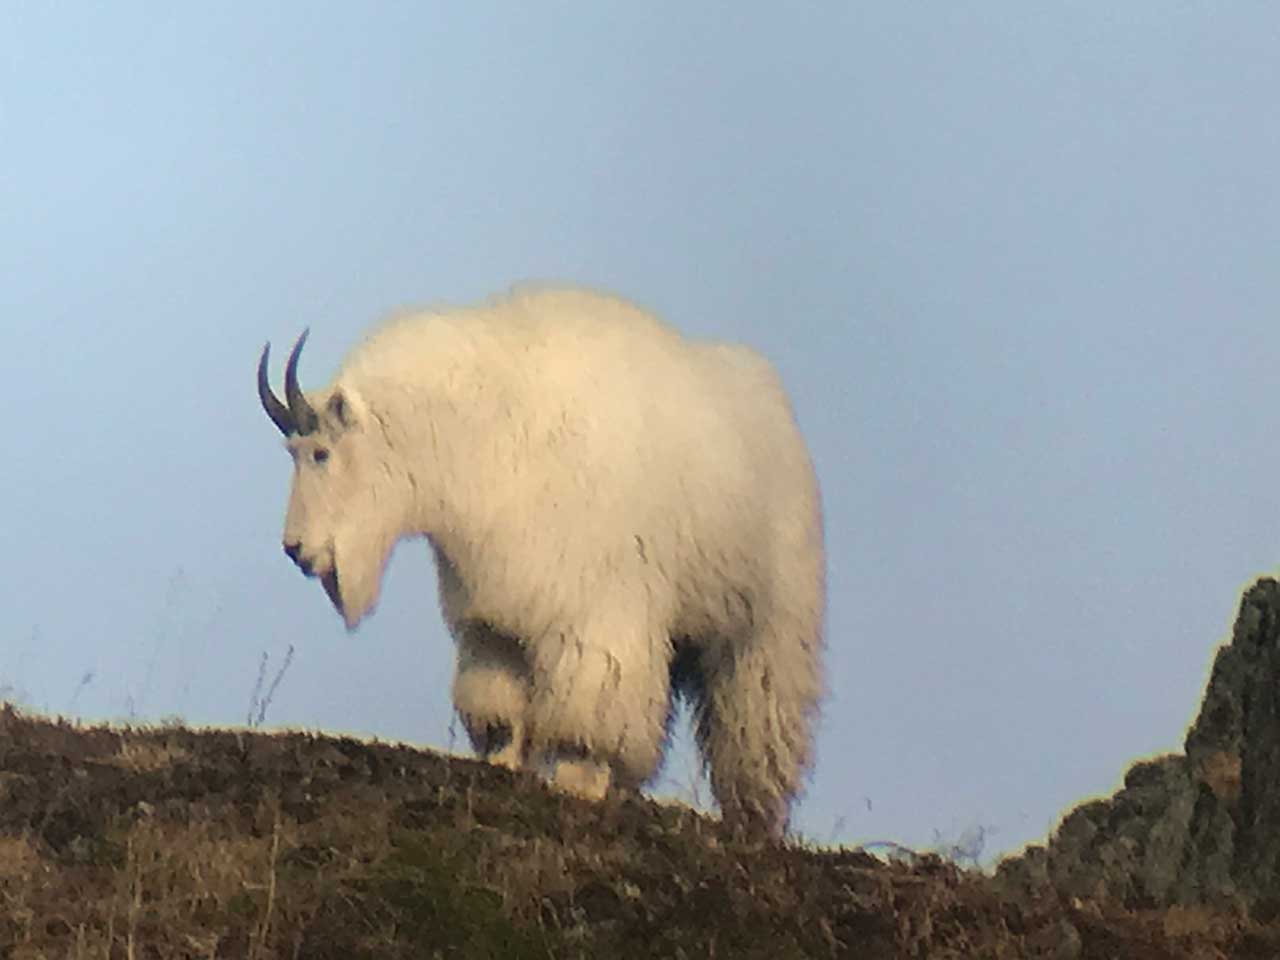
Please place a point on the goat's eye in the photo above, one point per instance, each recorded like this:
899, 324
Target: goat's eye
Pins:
319, 455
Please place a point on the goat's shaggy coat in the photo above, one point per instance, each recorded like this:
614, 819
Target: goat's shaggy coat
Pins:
619, 515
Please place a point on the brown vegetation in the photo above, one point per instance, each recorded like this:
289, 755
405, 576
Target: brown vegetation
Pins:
128, 843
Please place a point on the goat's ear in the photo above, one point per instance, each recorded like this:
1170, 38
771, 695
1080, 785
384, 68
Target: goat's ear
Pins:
340, 408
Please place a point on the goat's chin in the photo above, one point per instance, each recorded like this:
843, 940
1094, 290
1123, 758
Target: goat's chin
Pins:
352, 597
354, 579
332, 588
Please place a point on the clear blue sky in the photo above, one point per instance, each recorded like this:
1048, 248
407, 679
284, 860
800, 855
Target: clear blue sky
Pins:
1019, 263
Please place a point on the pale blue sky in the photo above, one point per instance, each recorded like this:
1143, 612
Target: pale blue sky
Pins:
1017, 262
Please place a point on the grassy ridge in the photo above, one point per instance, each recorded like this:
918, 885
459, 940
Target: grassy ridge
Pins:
175, 843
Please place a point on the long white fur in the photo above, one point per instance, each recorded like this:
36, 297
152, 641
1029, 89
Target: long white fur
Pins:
600, 493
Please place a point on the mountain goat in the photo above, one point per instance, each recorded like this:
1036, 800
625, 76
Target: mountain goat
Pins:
619, 516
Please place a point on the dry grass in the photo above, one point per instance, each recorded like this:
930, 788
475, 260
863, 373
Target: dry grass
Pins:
141, 755
169, 843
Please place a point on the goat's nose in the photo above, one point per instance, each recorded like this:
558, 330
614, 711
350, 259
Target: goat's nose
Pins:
294, 551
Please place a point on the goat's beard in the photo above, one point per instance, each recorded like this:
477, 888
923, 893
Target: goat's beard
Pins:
353, 583
330, 583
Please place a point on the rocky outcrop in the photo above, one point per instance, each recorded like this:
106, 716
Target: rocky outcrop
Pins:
1197, 828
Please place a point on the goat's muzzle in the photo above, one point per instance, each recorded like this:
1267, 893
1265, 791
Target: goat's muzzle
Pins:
294, 552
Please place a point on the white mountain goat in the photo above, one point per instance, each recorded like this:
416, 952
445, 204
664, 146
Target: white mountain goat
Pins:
619, 515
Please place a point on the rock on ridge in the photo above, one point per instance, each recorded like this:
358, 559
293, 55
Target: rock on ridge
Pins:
1197, 828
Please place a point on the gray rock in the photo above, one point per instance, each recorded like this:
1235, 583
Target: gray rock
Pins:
1197, 828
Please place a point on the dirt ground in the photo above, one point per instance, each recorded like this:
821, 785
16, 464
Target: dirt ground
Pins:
176, 843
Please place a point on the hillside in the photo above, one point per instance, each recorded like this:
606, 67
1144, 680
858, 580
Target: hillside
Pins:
139, 843
175, 843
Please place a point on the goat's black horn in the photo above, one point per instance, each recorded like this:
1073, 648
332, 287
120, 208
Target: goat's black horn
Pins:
276, 410
304, 415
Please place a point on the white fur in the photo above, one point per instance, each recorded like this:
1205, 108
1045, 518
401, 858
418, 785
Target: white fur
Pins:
612, 507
